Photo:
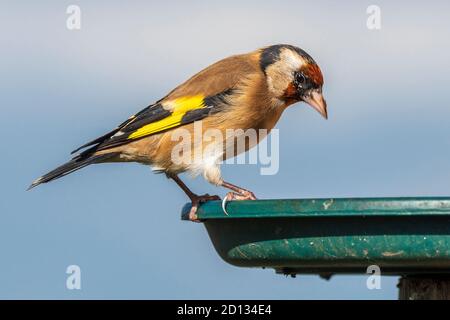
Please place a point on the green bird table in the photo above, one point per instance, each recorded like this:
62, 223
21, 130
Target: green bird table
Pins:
408, 237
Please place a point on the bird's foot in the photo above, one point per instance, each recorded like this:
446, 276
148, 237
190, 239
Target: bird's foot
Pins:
241, 195
196, 201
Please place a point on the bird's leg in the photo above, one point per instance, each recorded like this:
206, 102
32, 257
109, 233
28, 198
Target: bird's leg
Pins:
196, 200
237, 193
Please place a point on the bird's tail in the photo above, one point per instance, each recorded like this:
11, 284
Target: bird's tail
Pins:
71, 166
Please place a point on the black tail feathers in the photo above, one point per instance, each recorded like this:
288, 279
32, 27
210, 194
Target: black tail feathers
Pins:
71, 166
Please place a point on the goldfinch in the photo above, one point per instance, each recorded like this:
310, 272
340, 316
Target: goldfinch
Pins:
245, 91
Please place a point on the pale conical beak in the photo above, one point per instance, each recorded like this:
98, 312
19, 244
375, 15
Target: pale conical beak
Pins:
316, 100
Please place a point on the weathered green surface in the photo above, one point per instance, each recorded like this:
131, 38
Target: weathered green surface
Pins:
401, 235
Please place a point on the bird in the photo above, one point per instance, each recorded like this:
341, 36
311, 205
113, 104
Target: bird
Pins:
243, 91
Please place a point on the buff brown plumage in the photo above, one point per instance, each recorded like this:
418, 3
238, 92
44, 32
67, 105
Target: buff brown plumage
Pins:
246, 91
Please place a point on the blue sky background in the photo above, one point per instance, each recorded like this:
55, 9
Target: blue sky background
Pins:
388, 135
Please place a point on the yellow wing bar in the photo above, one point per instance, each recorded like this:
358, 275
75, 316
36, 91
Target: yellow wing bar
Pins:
179, 108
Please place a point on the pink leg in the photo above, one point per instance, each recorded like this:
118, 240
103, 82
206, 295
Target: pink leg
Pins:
195, 199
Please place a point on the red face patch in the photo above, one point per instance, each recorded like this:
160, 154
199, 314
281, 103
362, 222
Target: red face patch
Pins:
291, 91
312, 71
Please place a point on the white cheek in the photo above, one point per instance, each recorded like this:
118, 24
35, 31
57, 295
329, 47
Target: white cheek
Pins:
270, 84
291, 60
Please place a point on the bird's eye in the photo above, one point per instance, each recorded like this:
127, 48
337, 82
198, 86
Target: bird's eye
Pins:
300, 78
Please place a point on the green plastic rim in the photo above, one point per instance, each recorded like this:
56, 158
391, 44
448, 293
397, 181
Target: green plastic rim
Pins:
329, 207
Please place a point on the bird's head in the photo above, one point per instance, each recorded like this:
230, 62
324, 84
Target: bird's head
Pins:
293, 76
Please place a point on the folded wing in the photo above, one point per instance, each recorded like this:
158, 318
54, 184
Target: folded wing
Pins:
206, 93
